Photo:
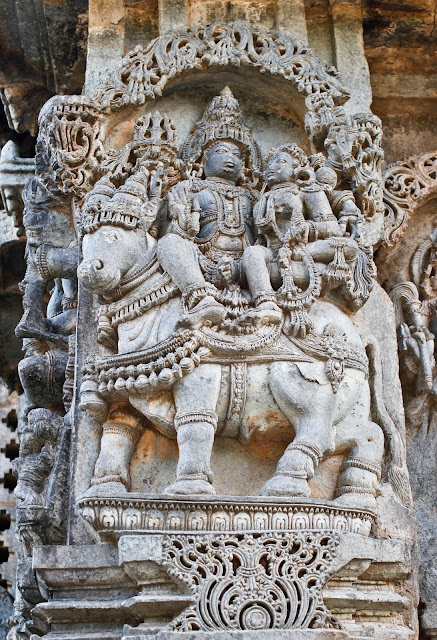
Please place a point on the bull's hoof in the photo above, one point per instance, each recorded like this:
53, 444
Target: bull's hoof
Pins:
286, 486
266, 313
105, 489
357, 501
190, 488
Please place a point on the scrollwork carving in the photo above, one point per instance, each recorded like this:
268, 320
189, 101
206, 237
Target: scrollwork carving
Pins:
253, 581
70, 141
406, 184
145, 71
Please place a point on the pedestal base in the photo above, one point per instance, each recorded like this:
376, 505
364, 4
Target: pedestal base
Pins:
190, 586
110, 516
274, 634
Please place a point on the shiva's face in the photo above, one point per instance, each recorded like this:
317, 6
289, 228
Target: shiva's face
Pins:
224, 160
281, 168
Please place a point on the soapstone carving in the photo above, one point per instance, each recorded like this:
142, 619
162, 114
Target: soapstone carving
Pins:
14, 173
180, 313
146, 71
416, 311
46, 373
287, 566
222, 295
41, 491
406, 184
48, 333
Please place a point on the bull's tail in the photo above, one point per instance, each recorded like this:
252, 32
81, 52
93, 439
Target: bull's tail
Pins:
397, 469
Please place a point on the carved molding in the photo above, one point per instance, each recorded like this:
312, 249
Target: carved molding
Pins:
71, 133
112, 516
407, 184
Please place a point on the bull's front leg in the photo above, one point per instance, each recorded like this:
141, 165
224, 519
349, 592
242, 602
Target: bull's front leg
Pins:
196, 398
120, 435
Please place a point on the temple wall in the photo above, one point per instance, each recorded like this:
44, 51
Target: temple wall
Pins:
372, 125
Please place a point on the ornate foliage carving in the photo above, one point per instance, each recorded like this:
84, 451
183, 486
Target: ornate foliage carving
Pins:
146, 70
406, 184
253, 581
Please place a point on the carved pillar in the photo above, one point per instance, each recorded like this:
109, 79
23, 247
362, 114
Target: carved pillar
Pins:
105, 49
173, 15
291, 19
350, 59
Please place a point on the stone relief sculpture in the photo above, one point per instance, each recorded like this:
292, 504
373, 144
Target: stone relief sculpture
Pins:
206, 255
410, 227
46, 374
225, 322
46, 332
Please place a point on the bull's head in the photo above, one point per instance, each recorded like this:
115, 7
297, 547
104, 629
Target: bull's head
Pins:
112, 254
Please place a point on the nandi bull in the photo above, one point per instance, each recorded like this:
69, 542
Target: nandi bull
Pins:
177, 386
175, 335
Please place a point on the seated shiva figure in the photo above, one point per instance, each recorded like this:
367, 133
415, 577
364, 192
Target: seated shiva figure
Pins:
293, 211
210, 216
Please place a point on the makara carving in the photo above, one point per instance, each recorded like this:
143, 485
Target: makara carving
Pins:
406, 184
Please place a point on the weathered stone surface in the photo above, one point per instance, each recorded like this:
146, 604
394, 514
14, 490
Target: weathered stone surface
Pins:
204, 337
256, 635
230, 339
14, 172
149, 575
410, 244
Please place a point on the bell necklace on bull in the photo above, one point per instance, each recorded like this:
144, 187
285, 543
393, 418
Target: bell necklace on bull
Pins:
211, 211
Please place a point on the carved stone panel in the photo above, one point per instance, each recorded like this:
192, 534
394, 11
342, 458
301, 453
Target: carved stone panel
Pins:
224, 388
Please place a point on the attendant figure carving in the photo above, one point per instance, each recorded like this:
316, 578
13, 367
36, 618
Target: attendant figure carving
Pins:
48, 331
305, 252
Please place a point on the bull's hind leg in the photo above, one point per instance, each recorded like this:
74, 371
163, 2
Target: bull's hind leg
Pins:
196, 399
309, 407
359, 480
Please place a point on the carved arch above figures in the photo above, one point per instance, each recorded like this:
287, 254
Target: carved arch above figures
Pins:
145, 71
73, 129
